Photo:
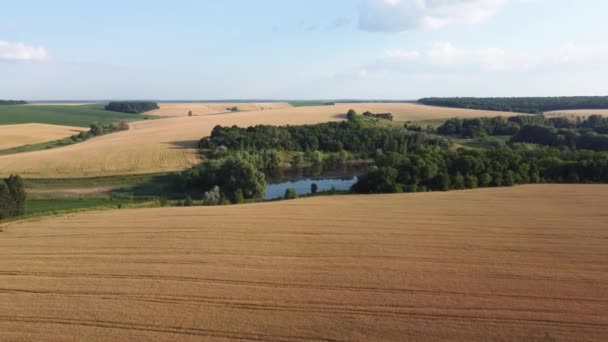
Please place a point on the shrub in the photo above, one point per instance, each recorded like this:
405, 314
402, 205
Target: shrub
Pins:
314, 188
213, 196
290, 193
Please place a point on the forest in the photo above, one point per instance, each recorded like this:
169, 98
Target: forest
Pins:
236, 156
531, 105
589, 133
131, 107
12, 102
357, 135
436, 169
539, 150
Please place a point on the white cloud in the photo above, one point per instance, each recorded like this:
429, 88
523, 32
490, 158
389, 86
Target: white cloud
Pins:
572, 53
10, 51
445, 53
448, 56
403, 54
403, 15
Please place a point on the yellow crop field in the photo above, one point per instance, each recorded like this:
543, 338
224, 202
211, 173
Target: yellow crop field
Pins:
210, 108
170, 144
27, 134
483, 265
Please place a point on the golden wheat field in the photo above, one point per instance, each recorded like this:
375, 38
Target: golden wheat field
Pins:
27, 134
170, 144
512, 264
211, 108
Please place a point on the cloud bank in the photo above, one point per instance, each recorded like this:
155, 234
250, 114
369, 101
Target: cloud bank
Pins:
19, 52
404, 15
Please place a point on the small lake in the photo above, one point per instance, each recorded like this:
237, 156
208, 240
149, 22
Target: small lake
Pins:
339, 178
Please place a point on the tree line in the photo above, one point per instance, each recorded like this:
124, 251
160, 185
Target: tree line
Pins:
97, 129
352, 136
383, 116
532, 105
12, 197
131, 107
12, 102
436, 169
589, 133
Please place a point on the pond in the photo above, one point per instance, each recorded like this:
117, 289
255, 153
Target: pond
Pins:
337, 178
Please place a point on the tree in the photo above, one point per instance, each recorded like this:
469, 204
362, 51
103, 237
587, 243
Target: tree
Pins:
379, 180
290, 194
6, 202
213, 196
298, 160
12, 197
188, 202
16, 189
313, 188
351, 115
96, 129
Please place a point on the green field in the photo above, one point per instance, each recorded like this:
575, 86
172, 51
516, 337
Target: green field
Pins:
41, 207
37, 147
81, 116
309, 103
482, 143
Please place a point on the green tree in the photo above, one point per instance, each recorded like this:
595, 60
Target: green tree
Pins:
213, 196
188, 202
314, 188
290, 194
17, 192
351, 115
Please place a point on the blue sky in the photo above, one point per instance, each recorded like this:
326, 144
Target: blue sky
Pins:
301, 49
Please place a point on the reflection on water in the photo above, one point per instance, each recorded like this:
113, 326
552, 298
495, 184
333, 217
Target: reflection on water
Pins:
338, 178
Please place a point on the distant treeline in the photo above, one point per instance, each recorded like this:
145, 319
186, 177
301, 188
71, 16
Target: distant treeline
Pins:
12, 102
132, 107
532, 105
588, 134
12, 197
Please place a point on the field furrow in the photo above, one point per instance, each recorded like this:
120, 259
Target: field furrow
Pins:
431, 266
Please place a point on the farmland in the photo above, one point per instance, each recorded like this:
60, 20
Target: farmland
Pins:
27, 134
61, 114
152, 146
492, 264
211, 108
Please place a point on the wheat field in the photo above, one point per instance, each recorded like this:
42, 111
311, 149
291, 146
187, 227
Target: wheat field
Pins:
512, 264
170, 144
28, 134
211, 108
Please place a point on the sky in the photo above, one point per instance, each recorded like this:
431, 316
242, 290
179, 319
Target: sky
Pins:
301, 49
